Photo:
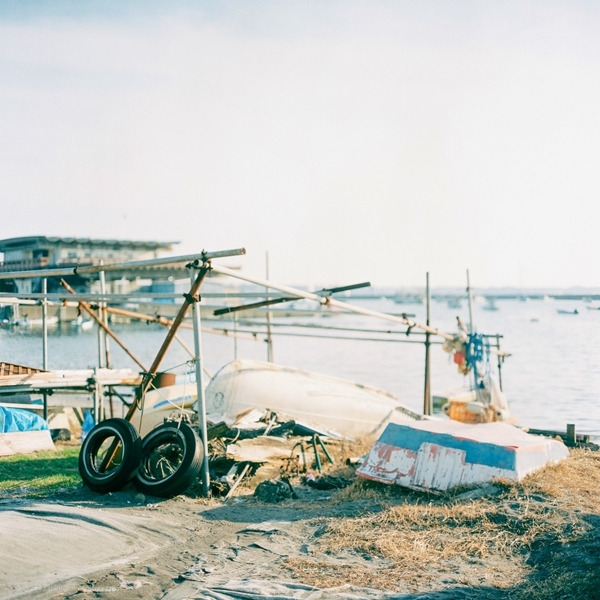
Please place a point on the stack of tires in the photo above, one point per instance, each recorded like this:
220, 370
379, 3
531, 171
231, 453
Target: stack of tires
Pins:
163, 464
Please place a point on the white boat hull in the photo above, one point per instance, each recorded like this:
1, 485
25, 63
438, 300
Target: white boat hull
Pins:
345, 407
164, 403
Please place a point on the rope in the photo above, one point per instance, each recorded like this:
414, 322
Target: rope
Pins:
171, 402
478, 359
478, 354
141, 403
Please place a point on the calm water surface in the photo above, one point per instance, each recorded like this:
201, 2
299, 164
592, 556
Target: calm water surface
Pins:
552, 377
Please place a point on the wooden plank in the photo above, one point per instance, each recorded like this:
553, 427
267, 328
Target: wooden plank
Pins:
261, 449
7, 368
25, 442
78, 378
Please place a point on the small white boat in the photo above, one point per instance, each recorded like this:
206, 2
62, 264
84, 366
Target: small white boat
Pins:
342, 406
81, 323
454, 303
26, 322
490, 305
409, 299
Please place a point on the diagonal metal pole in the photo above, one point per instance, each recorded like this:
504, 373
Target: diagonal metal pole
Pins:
101, 324
286, 289
190, 298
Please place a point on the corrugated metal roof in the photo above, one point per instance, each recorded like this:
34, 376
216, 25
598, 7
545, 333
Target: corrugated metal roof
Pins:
38, 240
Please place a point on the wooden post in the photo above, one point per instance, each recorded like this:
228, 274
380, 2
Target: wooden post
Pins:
500, 361
571, 437
427, 407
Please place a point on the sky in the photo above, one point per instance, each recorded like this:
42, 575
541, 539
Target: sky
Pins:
353, 141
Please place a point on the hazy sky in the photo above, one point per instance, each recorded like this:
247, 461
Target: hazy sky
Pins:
353, 140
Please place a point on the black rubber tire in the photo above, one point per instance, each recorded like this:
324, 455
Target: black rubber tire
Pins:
126, 462
171, 460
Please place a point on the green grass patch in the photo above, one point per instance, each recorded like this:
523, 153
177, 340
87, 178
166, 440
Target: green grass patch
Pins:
38, 474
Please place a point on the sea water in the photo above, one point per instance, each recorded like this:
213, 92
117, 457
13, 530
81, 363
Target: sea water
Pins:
551, 378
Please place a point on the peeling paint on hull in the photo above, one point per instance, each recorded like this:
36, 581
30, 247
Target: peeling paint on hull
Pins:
439, 455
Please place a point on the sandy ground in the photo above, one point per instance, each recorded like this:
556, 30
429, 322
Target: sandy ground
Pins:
80, 545
173, 544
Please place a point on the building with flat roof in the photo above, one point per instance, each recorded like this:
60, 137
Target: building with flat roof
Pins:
44, 252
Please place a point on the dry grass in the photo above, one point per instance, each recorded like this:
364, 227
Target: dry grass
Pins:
572, 484
495, 540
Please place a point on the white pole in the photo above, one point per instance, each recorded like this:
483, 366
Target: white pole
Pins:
472, 329
326, 300
96, 398
44, 325
101, 336
269, 315
470, 293
103, 314
201, 403
235, 336
427, 406
45, 339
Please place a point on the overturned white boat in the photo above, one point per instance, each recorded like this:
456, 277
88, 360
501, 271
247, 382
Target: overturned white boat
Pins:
348, 408
444, 454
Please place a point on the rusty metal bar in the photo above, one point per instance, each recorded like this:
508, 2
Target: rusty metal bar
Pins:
100, 323
166, 322
269, 301
190, 298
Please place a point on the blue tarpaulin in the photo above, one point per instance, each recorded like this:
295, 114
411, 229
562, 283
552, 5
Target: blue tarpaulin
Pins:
15, 419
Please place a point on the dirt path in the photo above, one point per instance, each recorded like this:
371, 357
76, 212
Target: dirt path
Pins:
538, 540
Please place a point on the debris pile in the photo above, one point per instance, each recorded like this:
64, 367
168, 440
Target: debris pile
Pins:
269, 448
